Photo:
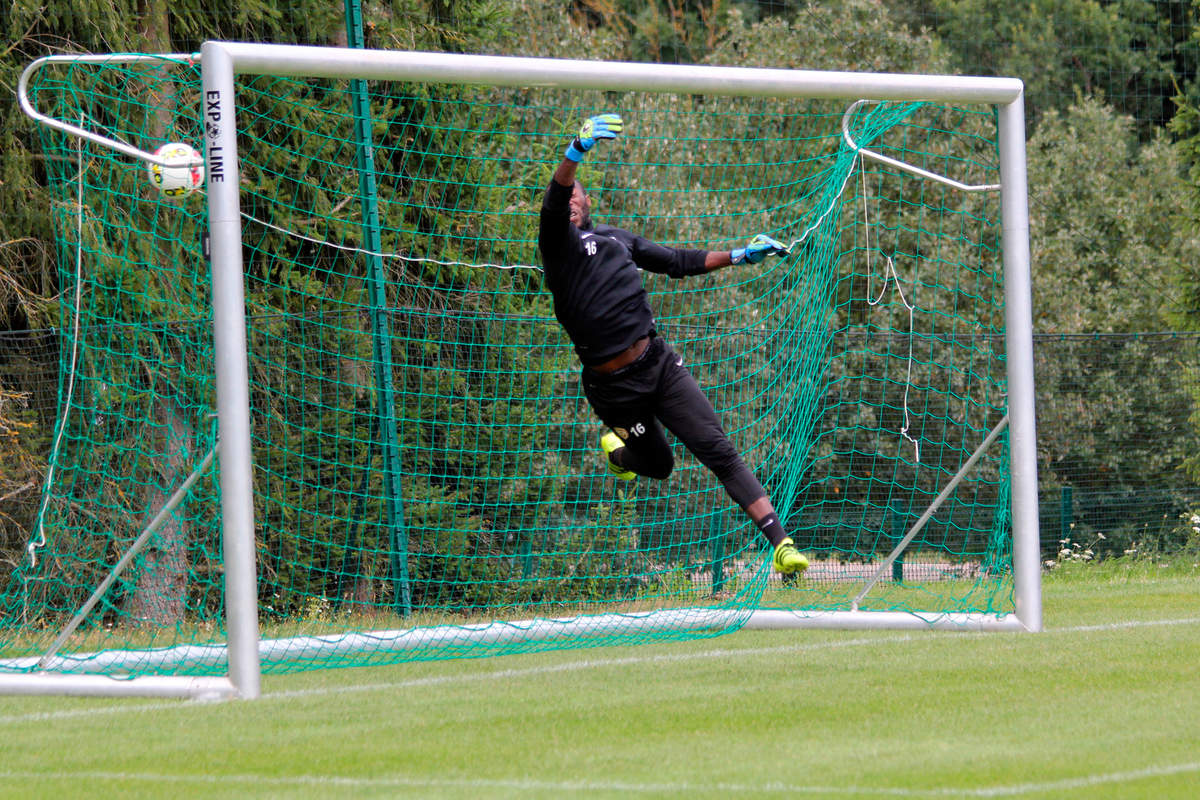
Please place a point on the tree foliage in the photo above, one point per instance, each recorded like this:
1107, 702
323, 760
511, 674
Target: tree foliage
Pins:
1131, 54
1106, 216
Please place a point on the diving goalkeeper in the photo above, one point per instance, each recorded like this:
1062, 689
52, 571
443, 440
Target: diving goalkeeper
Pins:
632, 378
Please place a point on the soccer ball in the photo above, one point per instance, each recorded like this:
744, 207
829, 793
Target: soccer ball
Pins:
177, 181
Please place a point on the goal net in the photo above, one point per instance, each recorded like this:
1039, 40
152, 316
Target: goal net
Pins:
426, 475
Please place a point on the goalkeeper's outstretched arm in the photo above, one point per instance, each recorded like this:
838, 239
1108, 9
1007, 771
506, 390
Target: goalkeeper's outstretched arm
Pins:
754, 251
601, 126
607, 126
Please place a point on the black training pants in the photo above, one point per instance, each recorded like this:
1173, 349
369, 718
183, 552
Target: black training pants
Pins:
657, 387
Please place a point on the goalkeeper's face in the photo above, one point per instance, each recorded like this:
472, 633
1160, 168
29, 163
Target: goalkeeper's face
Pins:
581, 207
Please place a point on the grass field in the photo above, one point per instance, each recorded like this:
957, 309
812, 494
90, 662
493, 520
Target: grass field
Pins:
1104, 704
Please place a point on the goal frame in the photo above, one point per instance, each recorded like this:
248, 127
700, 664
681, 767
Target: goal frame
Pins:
221, 62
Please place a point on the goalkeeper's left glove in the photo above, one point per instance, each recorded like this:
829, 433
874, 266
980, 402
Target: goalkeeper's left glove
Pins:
601, 126
757, 249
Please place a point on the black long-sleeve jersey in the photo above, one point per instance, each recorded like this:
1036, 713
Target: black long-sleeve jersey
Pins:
593, 275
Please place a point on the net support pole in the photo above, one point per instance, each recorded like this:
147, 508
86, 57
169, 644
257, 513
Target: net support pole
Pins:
232, 371
381, 328
138, 545
947, 490
1018, 310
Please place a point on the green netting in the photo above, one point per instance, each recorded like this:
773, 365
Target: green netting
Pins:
428, 481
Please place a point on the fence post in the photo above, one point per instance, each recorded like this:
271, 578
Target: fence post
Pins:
899, 518
717, 535
1066, 513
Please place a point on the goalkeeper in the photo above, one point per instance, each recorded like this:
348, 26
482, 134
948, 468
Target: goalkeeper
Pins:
631, 377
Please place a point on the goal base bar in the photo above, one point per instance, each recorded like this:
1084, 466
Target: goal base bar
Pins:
451, 638
183, 688
780, 619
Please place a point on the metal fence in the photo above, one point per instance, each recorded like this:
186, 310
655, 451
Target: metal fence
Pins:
1118, 438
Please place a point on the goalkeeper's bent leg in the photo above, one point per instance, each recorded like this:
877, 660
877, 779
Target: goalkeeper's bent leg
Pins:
687, 413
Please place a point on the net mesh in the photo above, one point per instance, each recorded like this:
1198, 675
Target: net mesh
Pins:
428, 480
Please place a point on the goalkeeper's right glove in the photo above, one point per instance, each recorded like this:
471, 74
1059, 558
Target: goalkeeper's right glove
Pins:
601, 126
757, 249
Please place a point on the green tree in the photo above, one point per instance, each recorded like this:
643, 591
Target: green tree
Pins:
1106, 230
850, 35
1105, 222
1131, 53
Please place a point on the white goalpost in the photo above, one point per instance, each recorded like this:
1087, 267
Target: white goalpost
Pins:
245, 647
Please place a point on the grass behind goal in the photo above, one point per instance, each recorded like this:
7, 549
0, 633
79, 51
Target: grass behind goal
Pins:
1101, 705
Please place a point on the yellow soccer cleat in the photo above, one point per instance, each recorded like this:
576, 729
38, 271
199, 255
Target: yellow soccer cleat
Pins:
611, 442
788, 559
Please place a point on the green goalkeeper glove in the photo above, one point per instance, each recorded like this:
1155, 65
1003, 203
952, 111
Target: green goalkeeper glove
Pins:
601, 126
757, 249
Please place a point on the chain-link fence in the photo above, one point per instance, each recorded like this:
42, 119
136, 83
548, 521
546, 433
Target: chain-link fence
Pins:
1117, 433
1117, 441
28, 408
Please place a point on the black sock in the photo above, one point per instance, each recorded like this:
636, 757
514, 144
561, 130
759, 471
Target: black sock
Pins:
615, 457
772, 528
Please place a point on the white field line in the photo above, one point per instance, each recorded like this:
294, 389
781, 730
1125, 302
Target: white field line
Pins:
130, 706
438, 680
329, 782
427, 784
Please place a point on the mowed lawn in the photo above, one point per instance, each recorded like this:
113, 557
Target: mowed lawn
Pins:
1104, 704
